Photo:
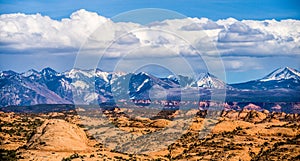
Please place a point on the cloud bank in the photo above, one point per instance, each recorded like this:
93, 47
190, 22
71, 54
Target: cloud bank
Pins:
37, 41
33, 34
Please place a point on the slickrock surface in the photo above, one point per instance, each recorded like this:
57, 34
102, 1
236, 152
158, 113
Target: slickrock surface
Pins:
59, 136
245, 135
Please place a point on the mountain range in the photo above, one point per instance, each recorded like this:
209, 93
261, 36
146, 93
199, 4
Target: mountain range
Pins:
99, 87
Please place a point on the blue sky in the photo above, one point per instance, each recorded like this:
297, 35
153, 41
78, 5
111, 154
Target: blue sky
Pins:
212, 9
243, 62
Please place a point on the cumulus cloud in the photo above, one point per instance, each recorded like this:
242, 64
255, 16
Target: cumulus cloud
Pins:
202, 24
240, 32
260, 38
29, 34
37, 31
128, 39
192, 27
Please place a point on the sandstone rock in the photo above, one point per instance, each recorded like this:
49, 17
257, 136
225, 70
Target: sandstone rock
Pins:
137, 124
160, 123
192, 112
59, 135
243, 114
232, 115
265, 112
255, 116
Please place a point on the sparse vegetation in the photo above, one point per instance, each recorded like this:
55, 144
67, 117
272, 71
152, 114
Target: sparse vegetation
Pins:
230, 139
8, 155
73, 156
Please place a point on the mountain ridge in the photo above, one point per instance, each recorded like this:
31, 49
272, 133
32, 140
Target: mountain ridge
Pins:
281, 78
97, 86
282, 73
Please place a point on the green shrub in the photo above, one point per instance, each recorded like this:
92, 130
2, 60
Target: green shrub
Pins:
8, 155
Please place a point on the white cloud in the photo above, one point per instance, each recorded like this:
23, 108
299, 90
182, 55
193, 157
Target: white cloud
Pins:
240, 32
128, 39
21, 33
29, 31
192, 27
260, 38
201, 24
241, 64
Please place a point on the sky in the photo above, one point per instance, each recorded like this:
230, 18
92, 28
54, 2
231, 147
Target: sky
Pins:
248, 39
213, 9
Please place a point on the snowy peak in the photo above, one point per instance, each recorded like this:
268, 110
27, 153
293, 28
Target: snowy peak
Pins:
172, 77
144, 74
49, 72
281, 78
282, 74
30, 72
7, 73
210, 81
101, 74
78, 73
90, 86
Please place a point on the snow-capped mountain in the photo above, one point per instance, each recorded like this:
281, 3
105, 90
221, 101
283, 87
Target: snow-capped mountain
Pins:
140, 85
282, 74
88, 84
19, 90
210, 81
83, 86
32, 74
98, 87
184, 81
204, 80
282, 78
54, 81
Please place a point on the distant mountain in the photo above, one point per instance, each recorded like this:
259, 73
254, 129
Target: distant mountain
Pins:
19, 90
282, 74
85, 84
210, 81
281, 78
140, 85
54, 81
184, 81
204, 80
99, 87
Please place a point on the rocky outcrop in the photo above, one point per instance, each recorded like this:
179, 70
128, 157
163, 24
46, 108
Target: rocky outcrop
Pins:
59, 135
254, 116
